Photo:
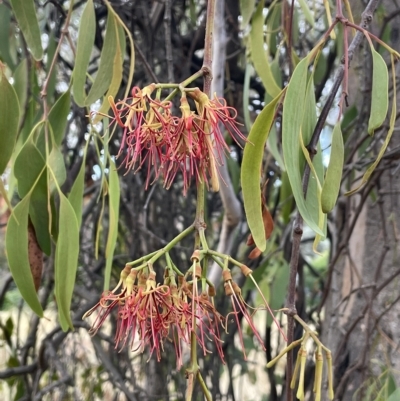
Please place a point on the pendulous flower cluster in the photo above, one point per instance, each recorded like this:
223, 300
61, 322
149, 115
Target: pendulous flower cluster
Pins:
165, 144
149, 315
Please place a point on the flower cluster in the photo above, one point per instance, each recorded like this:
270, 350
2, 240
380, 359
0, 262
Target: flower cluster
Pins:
150, 314
165, 144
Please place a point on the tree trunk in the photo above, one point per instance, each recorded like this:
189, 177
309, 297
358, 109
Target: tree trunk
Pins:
362, 324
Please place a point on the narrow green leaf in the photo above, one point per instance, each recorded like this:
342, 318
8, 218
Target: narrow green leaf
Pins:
18, 257
86, 35
246, 9
113, 206
66, 260
117, 74
5, 33
21, 84
76, 195
25, 14
333, 178
380, 88
293, 113
58, 116
9, 120
286, 198
316, 165
392, 125
258, 53
29, 164
29, 170
56, 163
250, 174
307, 12
105, 72
40, 213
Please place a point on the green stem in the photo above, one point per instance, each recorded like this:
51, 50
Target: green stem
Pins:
203, 386
171, 244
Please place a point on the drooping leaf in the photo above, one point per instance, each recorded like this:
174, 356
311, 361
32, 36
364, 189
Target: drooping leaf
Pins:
66, 260
9, 119
113, 206
246, 9
250, 174
21, 84
307, 12
29, 164
258, 53
25, 14
76, 195
35, 256
293, 113
331, 187
58, 116
117, 74
5, 33
105, 72
86, 35
56, 163
385, 144
380, 88
17, 255
316, 165
30, 172
41, 213
286, 198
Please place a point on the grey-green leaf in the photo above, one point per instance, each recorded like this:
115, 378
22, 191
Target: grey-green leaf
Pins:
331, 187
57, 166
9, 120
105, 73
66, 260
76, 195
379, 96
58, 116
86, 35
250, 172
113, 205
28, 166
25, 14
258, 54
21, 84
293, 114
18, 257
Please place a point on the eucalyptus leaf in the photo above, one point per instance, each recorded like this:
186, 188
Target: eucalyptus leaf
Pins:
333, 178
293, 114
58, 116
18, 257
380, 89
25, 14
86, 35
113, 206
250, 173
105, 72
21, 84
9, 120
258, 53
66, 260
